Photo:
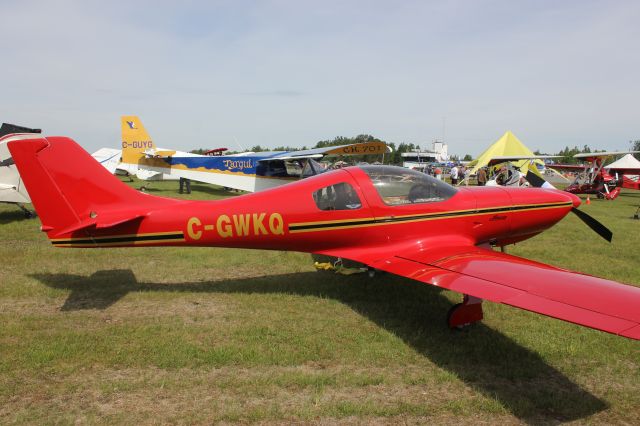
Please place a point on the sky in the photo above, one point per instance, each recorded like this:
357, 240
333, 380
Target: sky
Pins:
243, 73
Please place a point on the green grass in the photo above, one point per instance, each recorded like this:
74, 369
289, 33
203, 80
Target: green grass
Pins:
197, 335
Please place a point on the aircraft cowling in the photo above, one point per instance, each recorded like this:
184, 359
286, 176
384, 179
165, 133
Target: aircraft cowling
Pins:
489, 228
525, 222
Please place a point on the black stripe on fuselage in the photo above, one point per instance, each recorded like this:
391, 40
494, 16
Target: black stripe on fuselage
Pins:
294, 227
125, 239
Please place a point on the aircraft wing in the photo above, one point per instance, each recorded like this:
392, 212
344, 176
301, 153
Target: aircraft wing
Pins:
581, 299
566, 167
363, 148
591, 155
291, 157
518, 158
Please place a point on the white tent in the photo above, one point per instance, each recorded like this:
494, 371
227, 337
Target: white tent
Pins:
626, 162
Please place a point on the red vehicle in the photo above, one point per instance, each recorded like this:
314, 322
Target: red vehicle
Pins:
629, 180
592, 178
389, 218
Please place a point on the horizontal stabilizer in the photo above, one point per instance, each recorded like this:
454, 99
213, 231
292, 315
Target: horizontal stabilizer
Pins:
103, 223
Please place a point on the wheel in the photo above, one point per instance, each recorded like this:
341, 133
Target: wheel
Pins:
464, 314
452, 310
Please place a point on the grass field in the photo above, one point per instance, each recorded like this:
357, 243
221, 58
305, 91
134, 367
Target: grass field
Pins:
195, 335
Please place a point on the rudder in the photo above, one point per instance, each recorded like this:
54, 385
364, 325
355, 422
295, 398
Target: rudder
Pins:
69, 188
135, 139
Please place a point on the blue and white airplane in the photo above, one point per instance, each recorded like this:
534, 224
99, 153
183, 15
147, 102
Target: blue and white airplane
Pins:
250, 171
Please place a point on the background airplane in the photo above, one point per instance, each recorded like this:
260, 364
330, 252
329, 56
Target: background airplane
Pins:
591, 177
627, 171
518, 170
140, 156
12, 190
245, 171
109, 158
389, 218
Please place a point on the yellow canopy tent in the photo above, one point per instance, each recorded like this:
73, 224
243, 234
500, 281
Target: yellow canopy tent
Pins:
507, 146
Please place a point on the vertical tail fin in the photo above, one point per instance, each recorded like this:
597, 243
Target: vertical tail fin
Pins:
71, 191
135, 139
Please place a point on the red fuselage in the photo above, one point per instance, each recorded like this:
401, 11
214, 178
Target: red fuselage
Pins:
288, 218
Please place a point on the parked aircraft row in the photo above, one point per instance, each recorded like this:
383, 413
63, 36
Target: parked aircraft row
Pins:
249, 171
258, 171
388, 218
591, 177
140, 156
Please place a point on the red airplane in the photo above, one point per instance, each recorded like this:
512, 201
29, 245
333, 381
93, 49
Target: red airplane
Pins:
592, 178
627, 178
389, 218
630, 183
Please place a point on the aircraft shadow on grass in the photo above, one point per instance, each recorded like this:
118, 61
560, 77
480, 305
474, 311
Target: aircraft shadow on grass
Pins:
12, 216
482, 357
195, 187
214, 190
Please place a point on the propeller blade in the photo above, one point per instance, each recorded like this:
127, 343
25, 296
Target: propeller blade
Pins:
535, 180
592, 223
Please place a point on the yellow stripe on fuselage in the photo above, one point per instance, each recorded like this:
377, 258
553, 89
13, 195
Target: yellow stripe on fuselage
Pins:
394, 220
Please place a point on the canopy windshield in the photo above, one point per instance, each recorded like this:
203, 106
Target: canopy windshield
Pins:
400, 186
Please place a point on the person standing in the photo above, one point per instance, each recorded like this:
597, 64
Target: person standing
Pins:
465, 173
185, 184
454, 175
482, 177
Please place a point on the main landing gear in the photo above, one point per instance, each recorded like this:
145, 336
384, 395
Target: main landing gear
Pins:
466, 313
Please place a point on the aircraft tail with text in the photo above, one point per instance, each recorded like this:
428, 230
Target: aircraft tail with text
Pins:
88, 196
135, 139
